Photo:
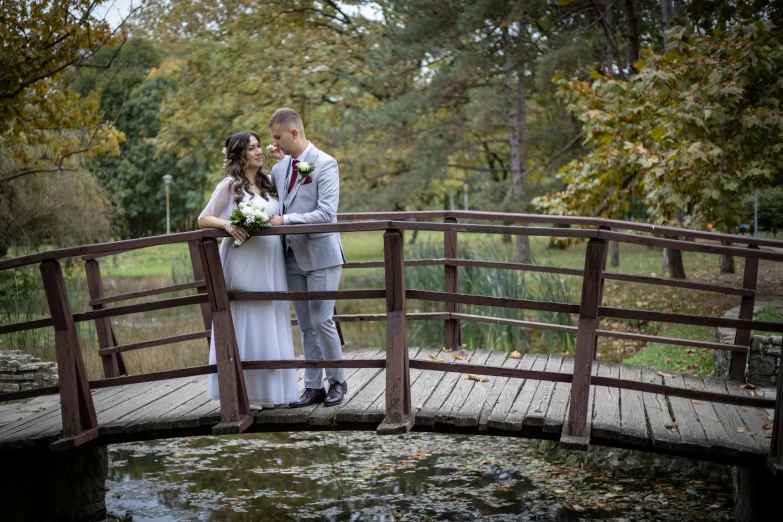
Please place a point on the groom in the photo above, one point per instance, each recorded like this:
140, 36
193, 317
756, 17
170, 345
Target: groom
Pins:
313, 261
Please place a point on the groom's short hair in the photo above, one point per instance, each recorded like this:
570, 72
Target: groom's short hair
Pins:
286, 118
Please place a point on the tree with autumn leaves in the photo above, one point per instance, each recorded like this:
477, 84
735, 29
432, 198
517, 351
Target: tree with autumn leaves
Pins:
46, 127
696, 129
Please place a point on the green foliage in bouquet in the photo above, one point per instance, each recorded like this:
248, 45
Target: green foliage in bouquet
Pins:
249, 216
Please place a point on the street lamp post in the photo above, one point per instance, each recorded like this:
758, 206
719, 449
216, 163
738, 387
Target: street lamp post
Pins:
167, 180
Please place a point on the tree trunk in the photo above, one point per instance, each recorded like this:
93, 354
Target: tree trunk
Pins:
633, 34
611, 41
516, 132
670, 10
726, 262
608, 16
520, 187
676, 268
614, 253
665, 16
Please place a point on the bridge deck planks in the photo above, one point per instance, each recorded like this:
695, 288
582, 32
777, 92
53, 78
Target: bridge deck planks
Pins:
754, 418
606, 410
660, 424
508, 395
692, 434
441, 401
730, 418
462, 389
558, 405
470, 412
634, 423
493, 397
719, 439
536, 414
516, 415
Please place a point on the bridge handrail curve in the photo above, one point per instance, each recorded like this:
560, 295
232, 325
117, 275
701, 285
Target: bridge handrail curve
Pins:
378, 221
213, 295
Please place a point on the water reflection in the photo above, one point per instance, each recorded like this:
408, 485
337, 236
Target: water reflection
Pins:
361, 476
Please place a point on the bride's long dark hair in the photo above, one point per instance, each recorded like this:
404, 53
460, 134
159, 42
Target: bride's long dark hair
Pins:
236, 150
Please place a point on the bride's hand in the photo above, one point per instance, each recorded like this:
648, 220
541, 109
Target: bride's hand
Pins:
274, 152
237, 233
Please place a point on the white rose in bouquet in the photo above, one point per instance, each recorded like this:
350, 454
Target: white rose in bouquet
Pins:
251, 217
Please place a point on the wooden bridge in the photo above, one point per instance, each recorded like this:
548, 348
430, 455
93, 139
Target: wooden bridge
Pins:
577, 401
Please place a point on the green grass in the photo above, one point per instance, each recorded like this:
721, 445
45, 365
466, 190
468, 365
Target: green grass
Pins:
153, 261
771, 315
695, 361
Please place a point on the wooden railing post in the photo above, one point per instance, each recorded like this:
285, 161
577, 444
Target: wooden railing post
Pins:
198, 275
80, 423
601, 291
398, 386
775, 459
740, 359
576, 434
235, 415
453, 337
113, 364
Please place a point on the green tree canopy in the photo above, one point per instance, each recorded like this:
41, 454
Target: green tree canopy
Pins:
696, 129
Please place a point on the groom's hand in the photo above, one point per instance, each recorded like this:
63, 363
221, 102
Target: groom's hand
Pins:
274, 152
276, 220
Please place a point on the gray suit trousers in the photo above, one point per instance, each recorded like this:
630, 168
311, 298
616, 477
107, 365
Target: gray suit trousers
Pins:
320, 339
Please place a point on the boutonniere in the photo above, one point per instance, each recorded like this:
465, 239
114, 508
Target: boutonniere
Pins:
304, 169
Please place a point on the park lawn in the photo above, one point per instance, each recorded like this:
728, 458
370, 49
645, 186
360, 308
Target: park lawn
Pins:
697, 361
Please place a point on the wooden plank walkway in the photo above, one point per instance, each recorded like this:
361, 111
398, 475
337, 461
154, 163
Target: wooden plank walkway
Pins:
443, 402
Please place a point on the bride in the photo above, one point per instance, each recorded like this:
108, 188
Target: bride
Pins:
263, 328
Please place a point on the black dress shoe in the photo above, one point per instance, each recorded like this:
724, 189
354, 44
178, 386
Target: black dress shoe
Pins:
336, 394
309, 397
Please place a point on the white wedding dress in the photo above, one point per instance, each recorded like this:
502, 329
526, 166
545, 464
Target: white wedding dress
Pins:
263, 328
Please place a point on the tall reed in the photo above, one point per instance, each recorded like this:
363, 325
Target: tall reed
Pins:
491, 282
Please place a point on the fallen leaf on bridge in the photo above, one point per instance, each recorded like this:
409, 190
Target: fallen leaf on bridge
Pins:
464, 353
749, 386
515, 355
458, 357
447, 349
435, 357
665, 374
740, 430
420, 406
479, 378
694, 401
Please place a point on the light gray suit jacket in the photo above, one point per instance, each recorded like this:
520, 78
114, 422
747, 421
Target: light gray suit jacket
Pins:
314, 202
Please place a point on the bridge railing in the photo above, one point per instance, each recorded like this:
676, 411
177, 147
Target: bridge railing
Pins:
79, 420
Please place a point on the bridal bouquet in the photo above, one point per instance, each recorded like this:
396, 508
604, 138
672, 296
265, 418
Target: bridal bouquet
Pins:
251, 217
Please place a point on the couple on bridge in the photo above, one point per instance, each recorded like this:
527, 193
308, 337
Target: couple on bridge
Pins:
301, 262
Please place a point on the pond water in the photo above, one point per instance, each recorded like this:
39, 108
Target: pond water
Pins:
358, 476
